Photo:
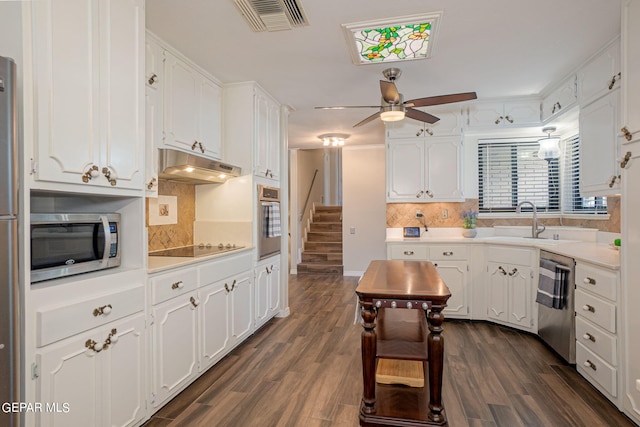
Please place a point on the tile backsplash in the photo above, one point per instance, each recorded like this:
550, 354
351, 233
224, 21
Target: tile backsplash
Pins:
174, 235
404, 215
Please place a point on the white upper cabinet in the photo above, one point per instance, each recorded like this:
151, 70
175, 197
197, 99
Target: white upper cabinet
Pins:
630, 114
192, 109
599, 126
600, 75
89, 104
493, 115
424, 170
267, 136
153, 113
560, 100
450, 123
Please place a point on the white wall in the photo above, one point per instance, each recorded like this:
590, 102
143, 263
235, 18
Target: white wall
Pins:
364, 207
308, 162
11, 31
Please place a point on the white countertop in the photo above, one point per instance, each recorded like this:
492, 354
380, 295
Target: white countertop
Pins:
596, 253
156, 264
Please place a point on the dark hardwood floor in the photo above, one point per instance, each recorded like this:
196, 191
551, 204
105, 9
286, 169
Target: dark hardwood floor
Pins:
305, 370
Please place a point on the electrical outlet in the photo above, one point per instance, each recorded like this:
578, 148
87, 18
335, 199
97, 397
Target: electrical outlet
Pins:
445, 213
418, 213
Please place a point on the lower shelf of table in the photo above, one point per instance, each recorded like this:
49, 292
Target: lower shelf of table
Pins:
400, 406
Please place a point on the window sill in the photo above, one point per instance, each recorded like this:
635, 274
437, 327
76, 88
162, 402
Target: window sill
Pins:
527, 215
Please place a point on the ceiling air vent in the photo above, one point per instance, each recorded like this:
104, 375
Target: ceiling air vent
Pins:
272, 15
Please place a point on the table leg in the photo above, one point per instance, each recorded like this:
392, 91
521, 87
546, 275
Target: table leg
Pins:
368, 343
435, 344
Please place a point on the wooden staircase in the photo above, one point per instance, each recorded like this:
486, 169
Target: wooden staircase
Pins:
322, 253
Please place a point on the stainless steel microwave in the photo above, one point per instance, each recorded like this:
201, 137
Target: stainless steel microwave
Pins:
73, 243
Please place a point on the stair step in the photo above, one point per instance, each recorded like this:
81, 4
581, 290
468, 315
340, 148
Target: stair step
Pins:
322, 257
327, 217
330, 247
313, 268
328, 208
324, 236
326, 226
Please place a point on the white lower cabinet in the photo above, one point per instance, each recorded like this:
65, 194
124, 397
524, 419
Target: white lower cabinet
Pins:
94, 378
267, 290
215, 332
509, 283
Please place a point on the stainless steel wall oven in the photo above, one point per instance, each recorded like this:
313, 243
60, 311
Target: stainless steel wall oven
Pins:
269, 226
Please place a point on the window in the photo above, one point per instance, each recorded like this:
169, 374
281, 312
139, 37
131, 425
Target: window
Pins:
510, 172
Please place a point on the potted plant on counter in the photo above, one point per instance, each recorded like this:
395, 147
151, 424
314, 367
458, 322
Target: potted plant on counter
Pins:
469, 218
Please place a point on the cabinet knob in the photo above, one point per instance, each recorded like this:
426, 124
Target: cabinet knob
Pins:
627, 135
90, 173
104, 310
509, 119
590, 364
588, 336
409, 305
153, 79
394, 304
502, 271
448, 253
513, 272
194, 302
429, 193
589, 281
194, 145
177, 285
420, 193
109, 175
625, 161
152, 183
408, 253
588, 307
614, 79
498, 120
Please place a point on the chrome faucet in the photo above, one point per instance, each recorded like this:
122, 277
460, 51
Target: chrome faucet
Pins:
535, 229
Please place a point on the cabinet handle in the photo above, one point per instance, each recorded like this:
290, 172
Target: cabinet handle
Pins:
90, 173
194, 302
556, 107
112, 338
107, 174
625, 161
153, 78
502, 271
590, 364
419, 194
429, 131
152, 183
627, 134
419, 132
588, 336
226, 288
267, 268
449, 253
201, 147
177, 285
233, 285
513, 272
429, 193
194, 145
614, 79
91, 346
268, 173
105, 309
499, 119
408, 253
612, 180
588, 307
509, 119
589, 281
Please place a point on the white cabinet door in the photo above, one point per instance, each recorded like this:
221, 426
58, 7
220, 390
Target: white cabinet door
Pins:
497, 292
599, 128
261, 294
210, 118
493, 115
273, 156
267, 136
443, 178
405, 129
215, 324
69, 373
174, 350
523, 113
520, 304
123, 373
631, 68
153, 136
454, 275
89, 106
274, 288
154, 64
180, 104
560, 100
450, 123
242, 308
405, 170
600, 75
486, 115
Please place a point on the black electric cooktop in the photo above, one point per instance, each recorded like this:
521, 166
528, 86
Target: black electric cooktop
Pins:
196, 250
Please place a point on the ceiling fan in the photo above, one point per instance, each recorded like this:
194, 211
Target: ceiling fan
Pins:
393, 107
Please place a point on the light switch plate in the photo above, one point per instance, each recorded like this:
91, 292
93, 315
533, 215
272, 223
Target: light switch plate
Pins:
638, 385
352, 230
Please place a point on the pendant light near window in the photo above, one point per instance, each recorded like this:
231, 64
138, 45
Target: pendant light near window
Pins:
549, 146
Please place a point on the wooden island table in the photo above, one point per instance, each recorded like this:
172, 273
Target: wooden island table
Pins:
406, 297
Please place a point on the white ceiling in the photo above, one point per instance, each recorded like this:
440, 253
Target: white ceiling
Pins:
498, 48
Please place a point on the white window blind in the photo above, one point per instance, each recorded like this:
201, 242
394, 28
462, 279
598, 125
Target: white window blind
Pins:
510, 172
572, 201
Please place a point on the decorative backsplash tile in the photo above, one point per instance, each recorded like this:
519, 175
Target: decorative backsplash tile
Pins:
404, 215
174, 235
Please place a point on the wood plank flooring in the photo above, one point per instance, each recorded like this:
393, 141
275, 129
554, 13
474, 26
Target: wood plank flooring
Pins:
305, 370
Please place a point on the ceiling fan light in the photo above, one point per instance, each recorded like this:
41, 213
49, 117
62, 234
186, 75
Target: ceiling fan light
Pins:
392, 116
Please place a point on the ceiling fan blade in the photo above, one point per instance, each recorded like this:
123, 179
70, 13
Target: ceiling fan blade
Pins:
442, 99
342, 107
368, 119
389, 92
421, 116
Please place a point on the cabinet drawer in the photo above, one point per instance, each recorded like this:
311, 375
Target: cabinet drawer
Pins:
56, 323
598, 341
418, 252
597, 280
172, 284
448, 253
598, 311
224, 267
597, 369
509, 255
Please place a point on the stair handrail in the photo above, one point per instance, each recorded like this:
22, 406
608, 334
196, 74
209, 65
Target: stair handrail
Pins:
306, 202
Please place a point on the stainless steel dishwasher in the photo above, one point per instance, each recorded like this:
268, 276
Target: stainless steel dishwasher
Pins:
556, 327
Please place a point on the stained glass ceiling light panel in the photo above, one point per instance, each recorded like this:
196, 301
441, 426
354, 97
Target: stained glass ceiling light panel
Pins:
396, 39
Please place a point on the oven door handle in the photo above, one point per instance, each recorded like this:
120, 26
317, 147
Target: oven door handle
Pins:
107, 238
